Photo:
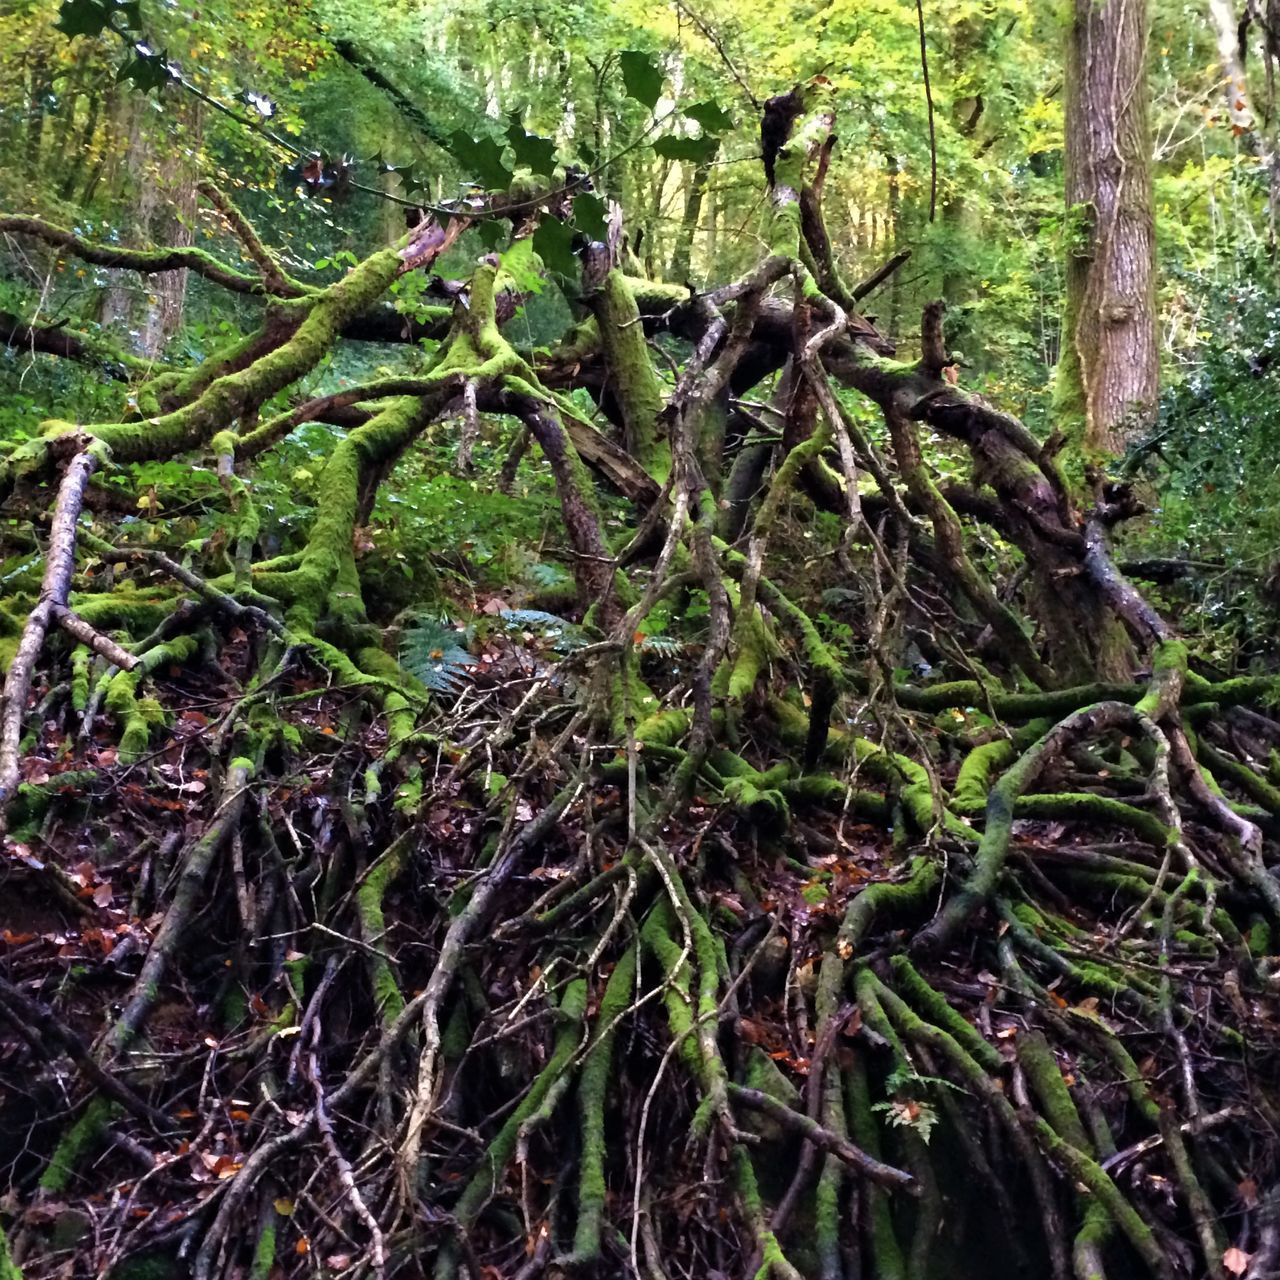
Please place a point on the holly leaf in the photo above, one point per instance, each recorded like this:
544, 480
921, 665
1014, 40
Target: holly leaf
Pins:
710, 115
696, 150
641, 77
531, 150
589, 216
83, 17
147, 71
483, 157
553, 242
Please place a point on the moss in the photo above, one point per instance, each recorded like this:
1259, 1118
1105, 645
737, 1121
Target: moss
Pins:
1259, 936
1041, 1069
84, 1135
227, 396
125, 608
592, 1090
766, 806
663, 729
973, 782
632, 377
1082, 806
478, 1191
1061, 702
657, 935
387, 996
81, 661
1087, 1171
1168, 671
934, 1006
886, 1252
630, 697
264, 1251
9, 1270
138, 716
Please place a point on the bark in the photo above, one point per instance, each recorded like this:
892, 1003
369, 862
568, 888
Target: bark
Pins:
1108, 374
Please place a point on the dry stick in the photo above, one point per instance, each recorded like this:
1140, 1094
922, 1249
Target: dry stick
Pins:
29, 1014
77, 627
274, 278
59, 565
826, 1140
377, 1245
224, 603
146, 987
815, 1089
441, 980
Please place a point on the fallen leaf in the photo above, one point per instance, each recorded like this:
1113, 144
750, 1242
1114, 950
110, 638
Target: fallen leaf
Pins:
1236, 1261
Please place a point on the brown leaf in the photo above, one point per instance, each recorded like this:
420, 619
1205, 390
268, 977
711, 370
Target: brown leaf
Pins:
102, 894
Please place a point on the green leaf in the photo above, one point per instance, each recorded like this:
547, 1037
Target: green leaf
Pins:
641, 77
483, 157
696, 150
534, 152
554, 243
147, 70
83, 17
492, 233
589, 216
93, 17
710, 115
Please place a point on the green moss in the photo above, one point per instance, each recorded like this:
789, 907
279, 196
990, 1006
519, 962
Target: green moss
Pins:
886, 1252
1041, 1069
592, 1090
482, 1186
933, 1005
387, 996
138, 716
9, 1270
980, 766
657, 935
81, 661
84, 1135
632, 377
264, 1252
227, 396
664, 729
1086, 1170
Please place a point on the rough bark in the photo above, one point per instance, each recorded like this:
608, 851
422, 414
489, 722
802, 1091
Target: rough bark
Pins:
1108, 373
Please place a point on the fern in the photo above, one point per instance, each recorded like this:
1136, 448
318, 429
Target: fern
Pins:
546, 575
432, 651
561, 634
664, 646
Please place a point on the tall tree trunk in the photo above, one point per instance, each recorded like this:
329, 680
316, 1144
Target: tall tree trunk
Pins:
682, 255
163, 211
1108, 374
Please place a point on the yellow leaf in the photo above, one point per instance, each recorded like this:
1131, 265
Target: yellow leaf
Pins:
284, 1207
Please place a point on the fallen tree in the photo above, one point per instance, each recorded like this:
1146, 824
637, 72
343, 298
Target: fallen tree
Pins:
750, 959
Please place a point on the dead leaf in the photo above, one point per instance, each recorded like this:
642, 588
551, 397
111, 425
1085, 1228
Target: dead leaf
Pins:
1236, 1261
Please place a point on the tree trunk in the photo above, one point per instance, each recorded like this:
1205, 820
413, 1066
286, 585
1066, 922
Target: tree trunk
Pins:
1108, 375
